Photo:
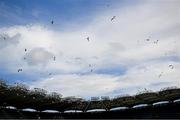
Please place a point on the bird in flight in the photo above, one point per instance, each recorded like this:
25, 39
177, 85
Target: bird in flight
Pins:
88, 39
25, 49
19, 70
171, 66
113, 18
155, 42
160, 74
54, 58
52, 22
148, 39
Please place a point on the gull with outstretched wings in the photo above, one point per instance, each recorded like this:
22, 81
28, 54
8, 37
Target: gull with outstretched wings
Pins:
113, 18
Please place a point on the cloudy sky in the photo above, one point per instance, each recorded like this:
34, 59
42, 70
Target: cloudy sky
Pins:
93, 47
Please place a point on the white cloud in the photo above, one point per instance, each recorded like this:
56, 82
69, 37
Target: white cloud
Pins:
38, 56
136, 79
7, 40
118, 43
79, 85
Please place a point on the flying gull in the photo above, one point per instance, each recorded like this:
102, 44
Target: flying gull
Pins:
52, 22
88, 39
19, 70
148, 39
54, 58
160, 74
113, 18
171, 66
155, 42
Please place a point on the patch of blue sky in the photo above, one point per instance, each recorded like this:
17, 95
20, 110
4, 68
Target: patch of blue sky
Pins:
16, 77
170, 58
63, 12
117, 70
173, 58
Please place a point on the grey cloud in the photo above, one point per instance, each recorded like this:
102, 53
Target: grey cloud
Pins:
160, 84
6, 40
117, 45
75, 60
39, 56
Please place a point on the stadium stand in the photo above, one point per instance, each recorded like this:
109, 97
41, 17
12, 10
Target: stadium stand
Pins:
17, 101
